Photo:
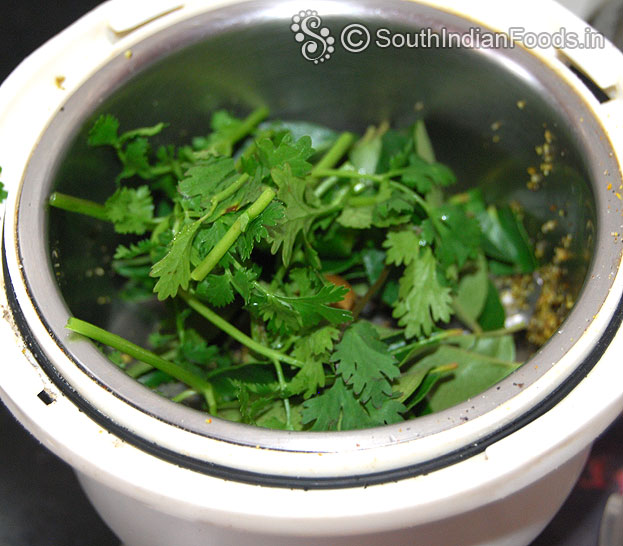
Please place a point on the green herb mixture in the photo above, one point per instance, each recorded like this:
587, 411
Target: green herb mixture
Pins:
339, 285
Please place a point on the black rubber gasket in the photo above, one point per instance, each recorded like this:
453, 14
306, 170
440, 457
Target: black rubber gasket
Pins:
302, 482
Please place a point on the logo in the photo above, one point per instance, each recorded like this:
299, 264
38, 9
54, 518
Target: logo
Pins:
316, 41
317, 45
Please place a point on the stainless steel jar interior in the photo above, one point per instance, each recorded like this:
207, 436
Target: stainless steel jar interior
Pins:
486, 110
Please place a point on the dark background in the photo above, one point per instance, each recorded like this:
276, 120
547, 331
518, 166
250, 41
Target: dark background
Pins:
41, 503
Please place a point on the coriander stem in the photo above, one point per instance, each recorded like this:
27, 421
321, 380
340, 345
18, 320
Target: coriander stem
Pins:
184, 395
326, 185
76, 204
237, 228
416, 196
139, 353
249, 123
355, 175
379, 178
236, 334
160, 170
282, 387
335, 153
363, 201
227, 192
138, 369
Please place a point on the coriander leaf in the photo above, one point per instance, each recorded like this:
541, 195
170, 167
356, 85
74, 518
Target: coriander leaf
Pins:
314, 351
304, 280
104, 131
321, 137
424, 176
356, 217
173, 271
290, 314
322, 340
130, 210
248, 193
388, 413
364, 361
141, 248
397, 148
253, 406
299, 216
242, 282
216, 289
137, 275
309, 379
208, 237
313, 309
222, 120
160, 341
287, 152
336, 408
221, 140
256, 231
422, 300
227, 378
312, 257
258, 379
396, 205
116, 357
135, 159
402, 247
279, 316
207, 178
242, 394
166, 155
155, 378
195, 349
427, 233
